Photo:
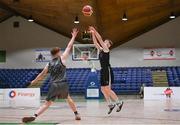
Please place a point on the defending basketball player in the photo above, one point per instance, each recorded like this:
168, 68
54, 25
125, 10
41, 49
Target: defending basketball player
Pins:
58, 87
107, 76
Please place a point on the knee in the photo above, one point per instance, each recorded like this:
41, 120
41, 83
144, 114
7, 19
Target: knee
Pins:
48, 103
69, 100
108, 90
103, 90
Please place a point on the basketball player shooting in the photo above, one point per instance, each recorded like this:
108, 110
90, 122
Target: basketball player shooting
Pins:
58, 87
106, 72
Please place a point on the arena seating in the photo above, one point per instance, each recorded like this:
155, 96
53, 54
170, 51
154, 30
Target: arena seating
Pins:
127, 80
173, 75
17, 78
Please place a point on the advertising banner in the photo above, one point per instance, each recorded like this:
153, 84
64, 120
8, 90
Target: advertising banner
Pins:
159, 54
42, 55
158, 93
92, 87
26, 97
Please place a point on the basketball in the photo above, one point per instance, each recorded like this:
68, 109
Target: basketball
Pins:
87, 10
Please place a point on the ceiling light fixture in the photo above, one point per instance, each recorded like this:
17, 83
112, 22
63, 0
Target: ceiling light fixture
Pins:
76, 21
172, 16
124, 17
30, 19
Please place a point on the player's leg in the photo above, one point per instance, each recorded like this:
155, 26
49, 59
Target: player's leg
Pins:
115, 98
108, 99
112, 93
108, 88
106, 95
42, 109
104, 84
51, 96
73, 107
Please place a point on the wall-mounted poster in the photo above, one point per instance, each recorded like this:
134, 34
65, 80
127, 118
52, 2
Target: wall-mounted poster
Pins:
159, 54
42, 55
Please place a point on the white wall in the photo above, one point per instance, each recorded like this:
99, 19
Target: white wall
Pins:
20, 44
131, 53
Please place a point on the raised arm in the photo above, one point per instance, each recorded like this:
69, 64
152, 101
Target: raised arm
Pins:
70, 44
96, 42
99, 38
40, 76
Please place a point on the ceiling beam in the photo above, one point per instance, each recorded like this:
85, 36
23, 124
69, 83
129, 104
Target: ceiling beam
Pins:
147, 29
6, 8
15, 12
59, 15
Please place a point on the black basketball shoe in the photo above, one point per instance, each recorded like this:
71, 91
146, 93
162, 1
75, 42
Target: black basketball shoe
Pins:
111, 107
28, 119
119, 106
77, 117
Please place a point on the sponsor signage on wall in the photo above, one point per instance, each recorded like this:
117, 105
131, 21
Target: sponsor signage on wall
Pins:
92, 86
27, 97
159, 54
156, 93
42, 55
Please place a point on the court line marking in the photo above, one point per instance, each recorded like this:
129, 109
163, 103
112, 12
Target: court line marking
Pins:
106, 116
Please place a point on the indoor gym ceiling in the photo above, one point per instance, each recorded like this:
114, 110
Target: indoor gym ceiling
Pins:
4, 14
58, 15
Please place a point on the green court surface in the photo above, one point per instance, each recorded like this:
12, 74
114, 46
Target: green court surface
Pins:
35, 123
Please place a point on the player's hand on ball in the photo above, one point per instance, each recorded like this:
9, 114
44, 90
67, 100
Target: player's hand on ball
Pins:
74, 32
92, 29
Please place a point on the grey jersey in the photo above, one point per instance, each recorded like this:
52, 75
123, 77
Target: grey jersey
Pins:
57, 70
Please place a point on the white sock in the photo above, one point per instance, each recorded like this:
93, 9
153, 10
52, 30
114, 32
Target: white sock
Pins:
109, 102
118, 102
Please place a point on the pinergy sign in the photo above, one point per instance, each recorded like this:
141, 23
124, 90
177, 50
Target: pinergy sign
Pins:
13, 94
29, 97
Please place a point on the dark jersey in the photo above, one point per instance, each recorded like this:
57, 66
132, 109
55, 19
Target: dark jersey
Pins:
107, 76
57, 70
104, 59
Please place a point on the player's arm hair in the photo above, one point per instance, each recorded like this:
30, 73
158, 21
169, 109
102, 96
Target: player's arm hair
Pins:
68, 48
99, 38
41, 75
96, 42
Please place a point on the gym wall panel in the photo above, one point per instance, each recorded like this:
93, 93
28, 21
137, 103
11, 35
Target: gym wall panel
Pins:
164, 36
20, 44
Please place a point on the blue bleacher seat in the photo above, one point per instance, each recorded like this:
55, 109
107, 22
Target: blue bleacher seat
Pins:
126, 80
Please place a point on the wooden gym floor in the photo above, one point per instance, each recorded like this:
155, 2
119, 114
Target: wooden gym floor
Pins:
135, 111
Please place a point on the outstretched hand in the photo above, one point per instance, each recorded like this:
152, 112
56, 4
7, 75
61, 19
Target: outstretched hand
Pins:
32, 83
28, 83
92, 29
74, 32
